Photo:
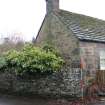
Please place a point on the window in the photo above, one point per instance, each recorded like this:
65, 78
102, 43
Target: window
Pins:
102, 59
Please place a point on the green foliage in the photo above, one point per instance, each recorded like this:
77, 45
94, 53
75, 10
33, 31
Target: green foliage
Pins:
50, 48
33, 59
2, 62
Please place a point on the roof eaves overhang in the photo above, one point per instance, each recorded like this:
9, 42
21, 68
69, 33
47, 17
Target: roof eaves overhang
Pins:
93, 41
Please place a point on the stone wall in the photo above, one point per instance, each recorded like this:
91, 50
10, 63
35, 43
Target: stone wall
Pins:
54, 32
62, 84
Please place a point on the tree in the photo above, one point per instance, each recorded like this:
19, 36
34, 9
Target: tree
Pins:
33, 40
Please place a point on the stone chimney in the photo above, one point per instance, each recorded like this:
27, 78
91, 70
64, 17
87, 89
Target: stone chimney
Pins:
52, 5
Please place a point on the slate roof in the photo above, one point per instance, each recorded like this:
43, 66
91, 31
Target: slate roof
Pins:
83, 27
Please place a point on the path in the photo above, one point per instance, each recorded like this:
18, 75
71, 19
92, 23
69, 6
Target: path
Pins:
10, 100
101, 103
13, 100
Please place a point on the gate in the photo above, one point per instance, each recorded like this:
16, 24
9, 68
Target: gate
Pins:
100, 77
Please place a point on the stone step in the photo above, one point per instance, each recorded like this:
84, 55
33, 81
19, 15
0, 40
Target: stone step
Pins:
102, 99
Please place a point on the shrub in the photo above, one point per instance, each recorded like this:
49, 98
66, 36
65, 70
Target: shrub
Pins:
33, 59
50, 48
2, 62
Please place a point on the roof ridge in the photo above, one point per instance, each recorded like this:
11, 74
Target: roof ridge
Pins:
81, 15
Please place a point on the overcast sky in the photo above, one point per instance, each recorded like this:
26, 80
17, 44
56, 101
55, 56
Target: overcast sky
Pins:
26, 16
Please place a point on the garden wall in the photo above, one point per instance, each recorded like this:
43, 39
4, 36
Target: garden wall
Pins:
64, 83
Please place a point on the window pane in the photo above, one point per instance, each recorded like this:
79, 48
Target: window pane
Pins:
102, 59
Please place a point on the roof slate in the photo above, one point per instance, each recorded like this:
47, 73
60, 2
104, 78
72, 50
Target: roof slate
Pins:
83, 27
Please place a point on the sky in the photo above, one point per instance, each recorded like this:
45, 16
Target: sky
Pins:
26, 16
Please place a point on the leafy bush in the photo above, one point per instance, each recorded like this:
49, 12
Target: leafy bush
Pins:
32, 59
50, 48
2, 62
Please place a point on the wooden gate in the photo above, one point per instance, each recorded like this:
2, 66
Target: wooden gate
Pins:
100, 77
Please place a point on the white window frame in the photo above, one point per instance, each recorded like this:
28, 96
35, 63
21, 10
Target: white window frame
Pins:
102, 59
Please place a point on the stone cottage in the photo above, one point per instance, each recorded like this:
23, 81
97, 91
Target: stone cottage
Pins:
78, 37
81, 42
